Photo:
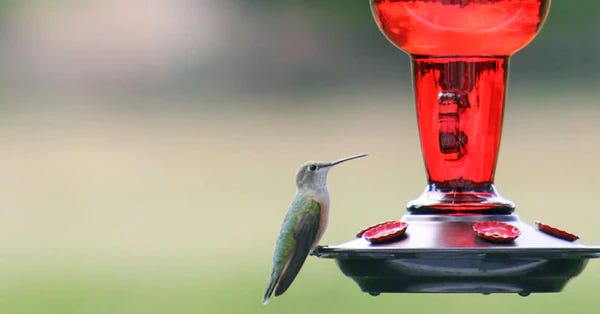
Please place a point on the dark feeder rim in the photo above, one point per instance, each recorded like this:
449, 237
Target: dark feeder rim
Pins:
425, 260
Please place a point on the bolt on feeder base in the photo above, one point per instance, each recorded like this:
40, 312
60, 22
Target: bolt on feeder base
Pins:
442, 254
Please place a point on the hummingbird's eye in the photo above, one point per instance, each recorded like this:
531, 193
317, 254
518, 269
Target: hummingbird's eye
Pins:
312, 167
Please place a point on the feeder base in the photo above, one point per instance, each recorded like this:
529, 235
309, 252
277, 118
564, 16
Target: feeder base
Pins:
442, 254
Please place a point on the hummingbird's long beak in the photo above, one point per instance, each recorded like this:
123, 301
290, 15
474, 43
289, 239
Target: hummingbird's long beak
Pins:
333, 163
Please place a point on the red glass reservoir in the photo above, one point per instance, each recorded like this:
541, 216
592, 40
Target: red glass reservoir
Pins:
460, 51
460, 27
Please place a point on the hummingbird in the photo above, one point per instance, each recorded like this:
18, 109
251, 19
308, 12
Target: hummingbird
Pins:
303, 225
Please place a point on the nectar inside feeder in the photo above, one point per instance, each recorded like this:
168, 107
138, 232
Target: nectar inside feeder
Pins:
460, 53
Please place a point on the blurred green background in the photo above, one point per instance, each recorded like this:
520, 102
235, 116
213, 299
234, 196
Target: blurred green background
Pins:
148, 151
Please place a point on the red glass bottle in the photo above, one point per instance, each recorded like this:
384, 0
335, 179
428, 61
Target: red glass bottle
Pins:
460, 51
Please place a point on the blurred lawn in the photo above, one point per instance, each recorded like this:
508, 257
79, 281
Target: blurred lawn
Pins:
117, 209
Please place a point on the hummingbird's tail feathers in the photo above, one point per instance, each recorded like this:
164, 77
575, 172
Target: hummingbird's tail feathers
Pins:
276, 273
304, 236
269, 291
290, 272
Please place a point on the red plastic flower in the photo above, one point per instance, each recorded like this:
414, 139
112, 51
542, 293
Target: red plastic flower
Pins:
495, 231
384, 232
556, 232
360, 233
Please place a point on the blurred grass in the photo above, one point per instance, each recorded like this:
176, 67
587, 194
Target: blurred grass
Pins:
192, 290
111, 209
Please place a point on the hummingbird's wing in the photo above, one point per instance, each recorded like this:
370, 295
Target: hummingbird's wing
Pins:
305, 236
298, 233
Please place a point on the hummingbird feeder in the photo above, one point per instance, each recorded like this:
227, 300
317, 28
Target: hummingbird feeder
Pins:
460, 235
